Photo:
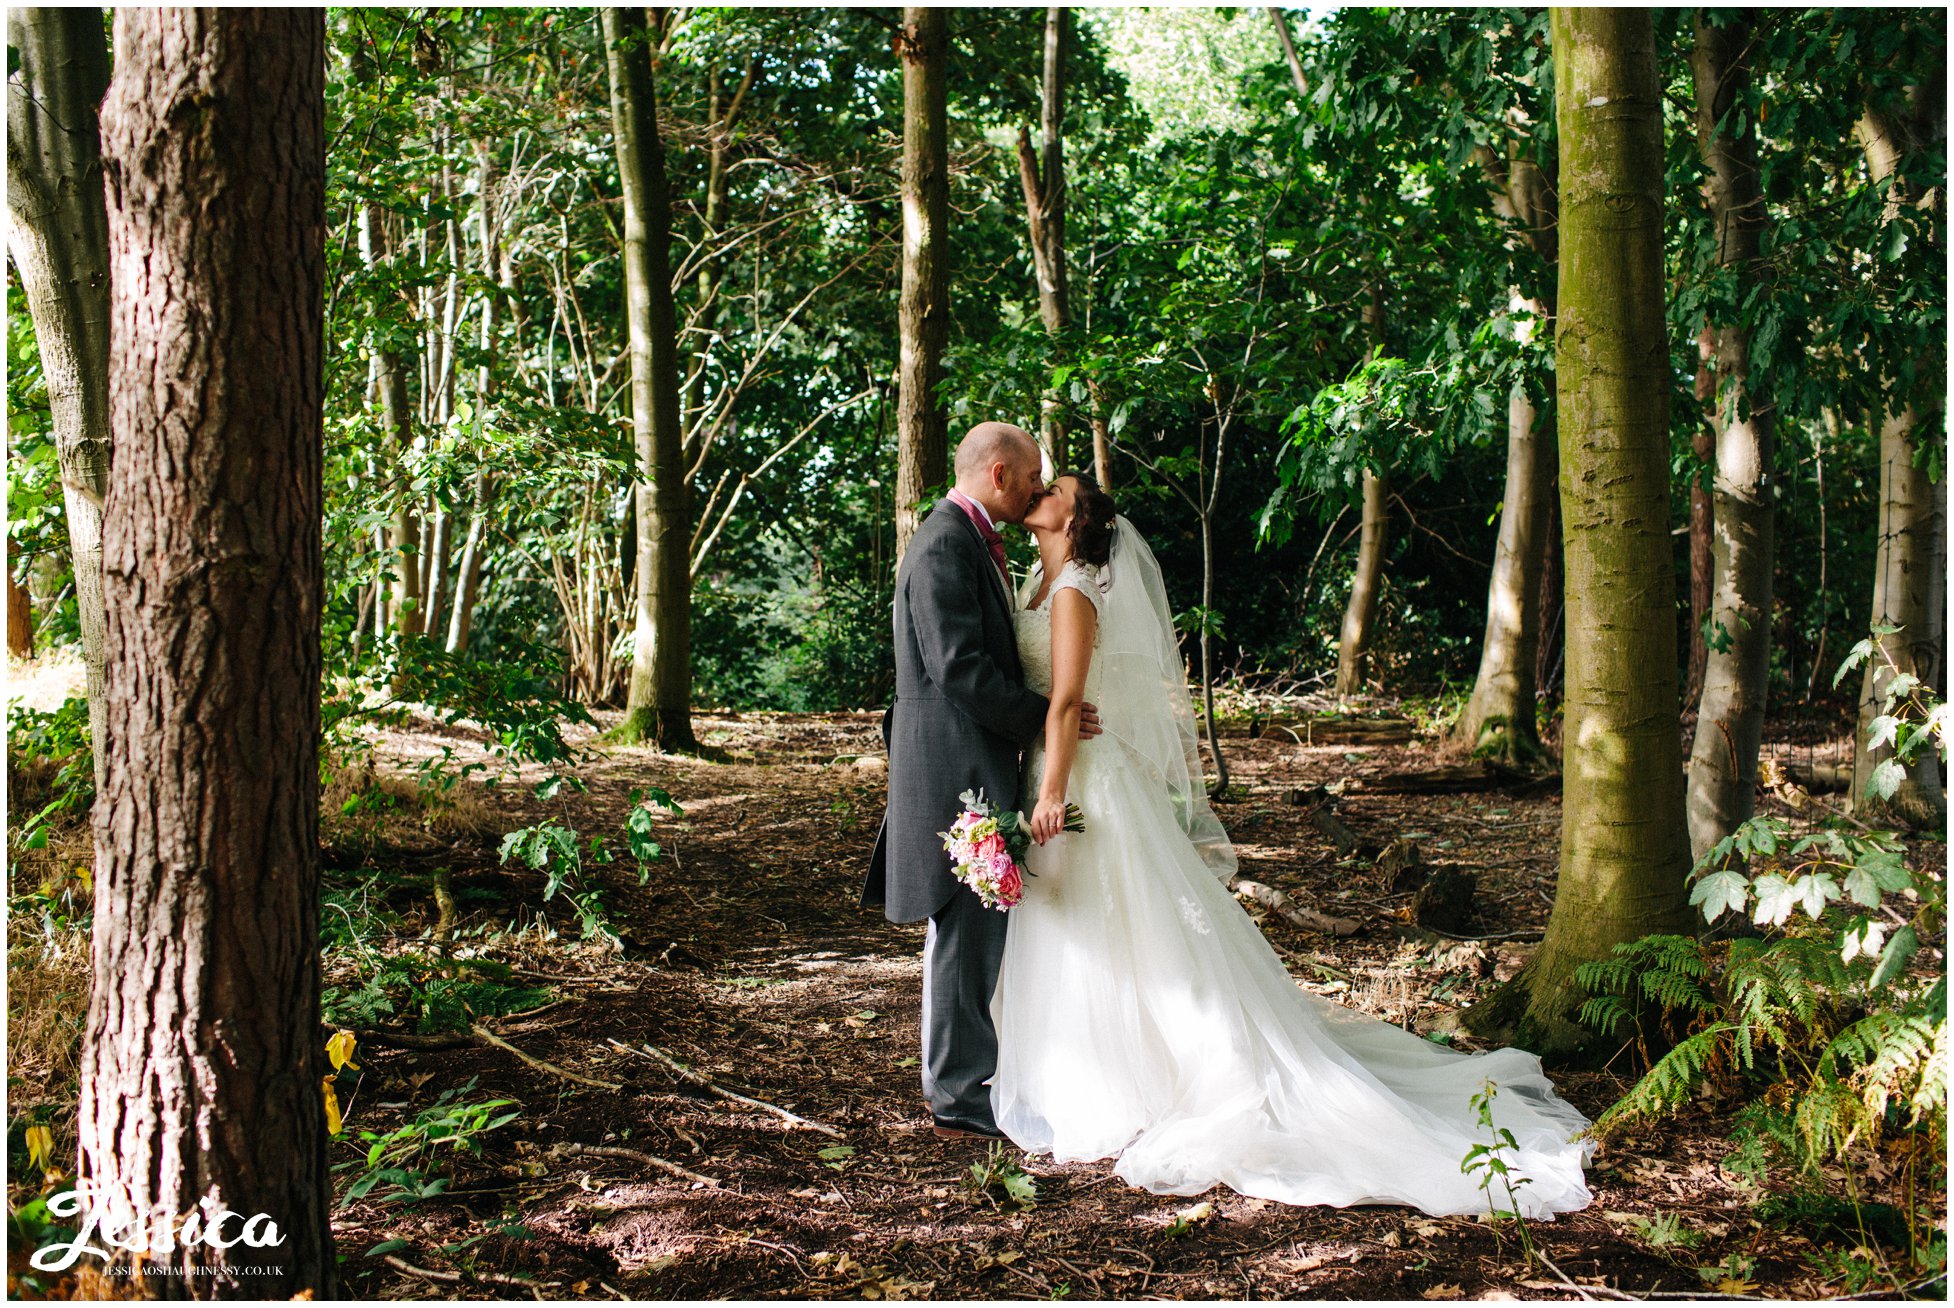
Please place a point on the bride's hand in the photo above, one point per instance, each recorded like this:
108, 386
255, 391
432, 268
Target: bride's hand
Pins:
1047, 820
1089, 721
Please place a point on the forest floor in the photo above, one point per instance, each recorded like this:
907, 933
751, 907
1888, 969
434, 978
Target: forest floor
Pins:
745, 958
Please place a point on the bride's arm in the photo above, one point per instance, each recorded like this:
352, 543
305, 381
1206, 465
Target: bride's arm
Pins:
1073, 620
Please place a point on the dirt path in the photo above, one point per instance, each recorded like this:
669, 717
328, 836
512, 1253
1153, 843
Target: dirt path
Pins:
746, 957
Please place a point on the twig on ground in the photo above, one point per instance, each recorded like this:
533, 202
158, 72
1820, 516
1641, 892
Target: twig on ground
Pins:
1277, 902
491, 1038
652, 1051
634, 1156
458, 1278
407, 1040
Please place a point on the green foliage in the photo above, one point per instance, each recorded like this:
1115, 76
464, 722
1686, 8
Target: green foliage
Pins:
998, 1177
61, 736
401, 1158
1817, 1023
1495, 1165
436, 994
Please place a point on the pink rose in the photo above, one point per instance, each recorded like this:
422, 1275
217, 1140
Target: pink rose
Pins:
991, 846
1010, 887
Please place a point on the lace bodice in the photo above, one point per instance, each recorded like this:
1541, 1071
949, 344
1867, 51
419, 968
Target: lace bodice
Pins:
1035, 624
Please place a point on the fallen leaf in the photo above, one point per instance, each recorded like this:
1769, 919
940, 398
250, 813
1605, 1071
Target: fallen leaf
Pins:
1391, 1240
1445, 1292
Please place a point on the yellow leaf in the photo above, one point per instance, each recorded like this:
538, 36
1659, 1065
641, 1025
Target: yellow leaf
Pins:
333, 1124
85, 875
339, 1050
40, 1146
1445, 1292
1736, 1285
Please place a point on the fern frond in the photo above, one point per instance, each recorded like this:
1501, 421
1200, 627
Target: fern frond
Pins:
1668, 1084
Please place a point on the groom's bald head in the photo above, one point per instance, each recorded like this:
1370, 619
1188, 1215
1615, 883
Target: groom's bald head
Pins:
1000, 467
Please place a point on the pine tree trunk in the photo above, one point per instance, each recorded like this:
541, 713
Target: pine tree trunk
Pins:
57, 233
1624, 847
202, 1068
659, 706
1911, 567
1730, 715
923, 312
1360, 612
1042, 176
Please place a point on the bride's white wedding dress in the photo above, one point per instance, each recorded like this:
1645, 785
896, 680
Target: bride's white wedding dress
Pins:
1142, 1015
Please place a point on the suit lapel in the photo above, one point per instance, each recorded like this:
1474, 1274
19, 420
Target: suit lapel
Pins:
950, 506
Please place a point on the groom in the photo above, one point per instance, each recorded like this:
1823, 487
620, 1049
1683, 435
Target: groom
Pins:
962, 717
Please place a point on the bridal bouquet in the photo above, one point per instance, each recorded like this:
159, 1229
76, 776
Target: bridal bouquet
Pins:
987, 849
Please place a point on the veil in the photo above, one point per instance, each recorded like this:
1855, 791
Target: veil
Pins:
1143, 699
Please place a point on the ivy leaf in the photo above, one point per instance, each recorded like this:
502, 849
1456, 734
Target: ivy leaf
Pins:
1721, 891
1864, 936
1884, 730
1776, 898
1886, 779
1020, 1189
1893, 959
1816, 890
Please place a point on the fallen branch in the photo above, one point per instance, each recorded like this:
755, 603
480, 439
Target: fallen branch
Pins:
652, 1051
635, 1156
407, 1040
456, 1278
1277, 902
490, 1037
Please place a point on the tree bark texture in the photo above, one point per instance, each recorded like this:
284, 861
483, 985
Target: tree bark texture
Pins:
57, 233
660, 702
923, 312
1910, 571
1624, 846
201, 1074
1730, 714
1367, 579
1042, 174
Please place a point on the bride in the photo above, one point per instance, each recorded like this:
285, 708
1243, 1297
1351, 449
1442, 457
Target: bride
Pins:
1140, 1013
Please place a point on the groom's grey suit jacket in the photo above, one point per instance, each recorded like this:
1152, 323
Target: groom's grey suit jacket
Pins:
961, 717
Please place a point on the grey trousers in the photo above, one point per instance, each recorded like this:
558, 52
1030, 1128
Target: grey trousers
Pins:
962, 952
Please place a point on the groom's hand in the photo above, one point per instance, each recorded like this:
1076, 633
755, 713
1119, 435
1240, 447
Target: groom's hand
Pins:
1088, 721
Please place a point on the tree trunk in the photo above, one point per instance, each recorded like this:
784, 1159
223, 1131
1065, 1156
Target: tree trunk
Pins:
923, 312
1042, 175
1702, 515
397, 420
468, 576
1360, 613
659, 707
1911, 567
1547, 663
20, 616
1730, 716
200, 1084
57, 233
1499, 718
1624, 846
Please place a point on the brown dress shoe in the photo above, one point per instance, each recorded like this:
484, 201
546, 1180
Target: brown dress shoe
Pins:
951, 1131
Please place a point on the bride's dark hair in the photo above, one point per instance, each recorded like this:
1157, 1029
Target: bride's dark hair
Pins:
1091, 530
